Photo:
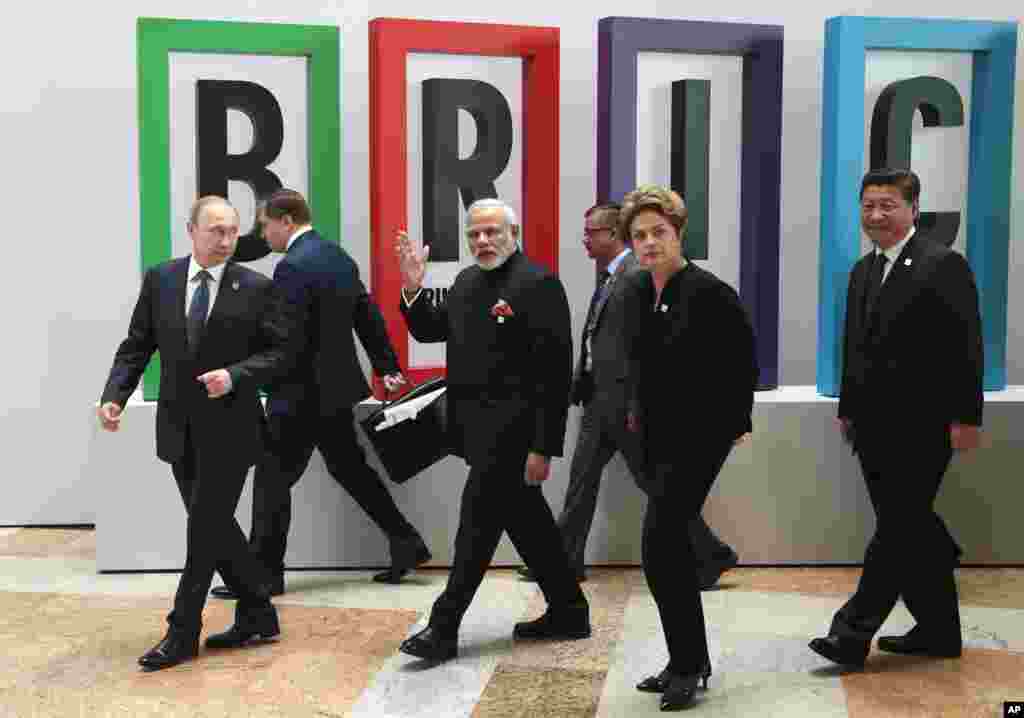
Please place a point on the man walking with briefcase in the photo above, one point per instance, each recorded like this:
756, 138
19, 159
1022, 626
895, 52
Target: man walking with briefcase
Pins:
311, 407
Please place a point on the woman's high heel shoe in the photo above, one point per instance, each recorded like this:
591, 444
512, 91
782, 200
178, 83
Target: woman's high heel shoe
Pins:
656, 684
679, 692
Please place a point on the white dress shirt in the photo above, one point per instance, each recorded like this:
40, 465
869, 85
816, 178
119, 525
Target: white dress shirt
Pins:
893, 253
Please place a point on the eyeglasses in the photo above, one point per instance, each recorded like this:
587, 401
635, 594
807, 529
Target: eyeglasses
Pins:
589, 232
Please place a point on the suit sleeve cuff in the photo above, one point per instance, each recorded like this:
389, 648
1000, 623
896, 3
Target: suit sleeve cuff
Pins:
232, 379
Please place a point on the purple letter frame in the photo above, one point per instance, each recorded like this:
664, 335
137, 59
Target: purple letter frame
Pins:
620, 40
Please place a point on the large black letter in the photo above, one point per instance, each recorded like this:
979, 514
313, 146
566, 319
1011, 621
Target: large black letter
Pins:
214, 166
892, 131
445, 176
691, 137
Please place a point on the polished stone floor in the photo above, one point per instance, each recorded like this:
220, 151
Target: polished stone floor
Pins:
70, 639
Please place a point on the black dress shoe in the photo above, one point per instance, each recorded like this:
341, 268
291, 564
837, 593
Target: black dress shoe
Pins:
254, 627
844, 651
527, 575
709, 573
406, 554
175, 648
275, 587
432, 644
679, 692
917, 643
566, 623
657, 684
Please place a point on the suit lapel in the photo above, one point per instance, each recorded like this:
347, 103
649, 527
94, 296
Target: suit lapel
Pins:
623, 267
227, 298
894, 289
898, 287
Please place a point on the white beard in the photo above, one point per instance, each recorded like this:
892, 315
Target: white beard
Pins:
499, 259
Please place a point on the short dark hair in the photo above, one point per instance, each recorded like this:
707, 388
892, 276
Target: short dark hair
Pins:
611, 207
287, 202
609, 212
904, 180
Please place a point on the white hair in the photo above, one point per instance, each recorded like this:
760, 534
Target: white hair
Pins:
494, 203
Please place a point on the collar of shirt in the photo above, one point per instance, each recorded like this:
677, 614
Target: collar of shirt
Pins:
215, 272
893, 253
296, 234
614, 264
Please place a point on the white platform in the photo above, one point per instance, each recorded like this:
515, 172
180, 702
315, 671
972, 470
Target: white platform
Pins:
792, 494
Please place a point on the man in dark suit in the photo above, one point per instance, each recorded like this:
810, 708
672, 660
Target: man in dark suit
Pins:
311, 407
219, 338
509, 355
599, 385
911, 395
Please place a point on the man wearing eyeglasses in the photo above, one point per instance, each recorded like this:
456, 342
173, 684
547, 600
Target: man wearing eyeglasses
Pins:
599, 386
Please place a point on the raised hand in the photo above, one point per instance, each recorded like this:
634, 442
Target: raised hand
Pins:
412, 259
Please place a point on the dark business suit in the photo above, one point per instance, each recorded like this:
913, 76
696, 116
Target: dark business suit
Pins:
210, 443
311, 406
508, 395
910, 369
603, 393
693, 372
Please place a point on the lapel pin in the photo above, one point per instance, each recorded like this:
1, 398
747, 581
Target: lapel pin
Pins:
906, 262
234, 284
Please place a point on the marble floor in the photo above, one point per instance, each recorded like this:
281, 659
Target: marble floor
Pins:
71, 637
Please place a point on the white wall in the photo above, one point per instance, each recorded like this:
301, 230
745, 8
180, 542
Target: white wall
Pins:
70, 142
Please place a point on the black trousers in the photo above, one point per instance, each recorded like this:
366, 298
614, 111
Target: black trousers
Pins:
912, 553
293, 438
602, 434
210, 485
677, 493
496, 499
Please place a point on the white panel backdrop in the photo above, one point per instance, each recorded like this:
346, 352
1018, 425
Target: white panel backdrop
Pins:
69, 133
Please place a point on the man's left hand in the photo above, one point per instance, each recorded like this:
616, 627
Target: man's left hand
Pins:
538, 468
393, 382
964, 437
218, 382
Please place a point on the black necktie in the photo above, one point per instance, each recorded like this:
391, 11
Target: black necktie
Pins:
595, 299
198, 309
874, 284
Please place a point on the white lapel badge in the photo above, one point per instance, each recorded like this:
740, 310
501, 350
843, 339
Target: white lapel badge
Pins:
907, 262
234, 285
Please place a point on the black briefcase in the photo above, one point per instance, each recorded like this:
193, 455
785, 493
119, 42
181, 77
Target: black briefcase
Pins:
408, 447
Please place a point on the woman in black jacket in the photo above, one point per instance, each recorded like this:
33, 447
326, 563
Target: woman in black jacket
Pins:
693, 374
